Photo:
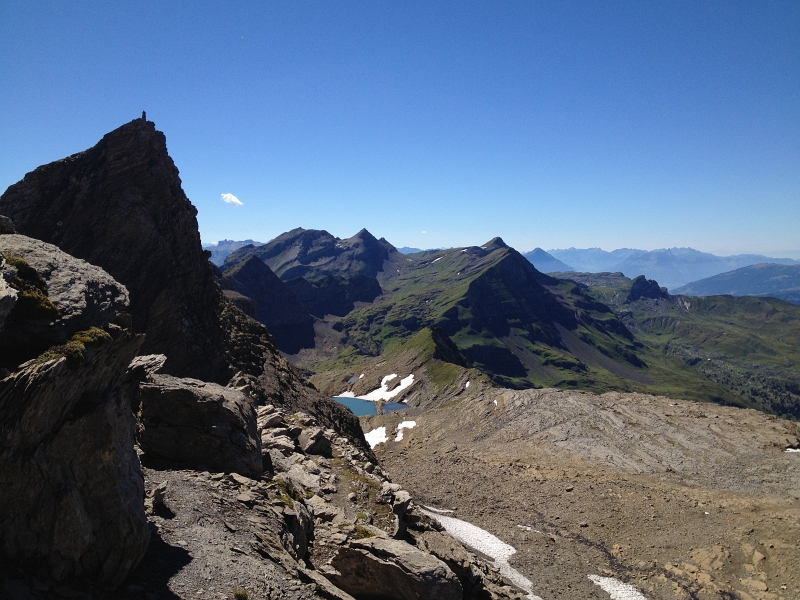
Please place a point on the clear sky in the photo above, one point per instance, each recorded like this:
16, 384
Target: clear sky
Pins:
552, 124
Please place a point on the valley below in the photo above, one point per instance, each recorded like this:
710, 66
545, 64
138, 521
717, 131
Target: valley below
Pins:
679, 499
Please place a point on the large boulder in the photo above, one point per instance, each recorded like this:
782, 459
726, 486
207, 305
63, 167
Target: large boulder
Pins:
200, 424
71, 486
385, 569
57, 296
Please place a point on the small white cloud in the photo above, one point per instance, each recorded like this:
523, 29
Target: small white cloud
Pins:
231, 199
424, 232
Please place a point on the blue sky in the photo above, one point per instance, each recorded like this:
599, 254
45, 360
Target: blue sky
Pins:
551, 124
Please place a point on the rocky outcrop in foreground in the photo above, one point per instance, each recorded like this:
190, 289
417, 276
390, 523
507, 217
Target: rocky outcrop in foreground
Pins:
56, 296
70, 481
198, 424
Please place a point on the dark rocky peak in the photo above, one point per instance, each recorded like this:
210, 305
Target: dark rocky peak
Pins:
366, 248
641, 287
119, 205
494, 244
316, 254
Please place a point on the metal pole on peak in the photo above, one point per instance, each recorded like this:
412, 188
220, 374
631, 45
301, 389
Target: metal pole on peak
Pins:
144, 116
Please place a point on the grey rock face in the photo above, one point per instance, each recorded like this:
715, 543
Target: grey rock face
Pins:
313, 441
71, 486
198, 423
85, 295
387, 569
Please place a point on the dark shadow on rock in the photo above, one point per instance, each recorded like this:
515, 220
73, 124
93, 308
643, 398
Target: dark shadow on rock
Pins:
160, 563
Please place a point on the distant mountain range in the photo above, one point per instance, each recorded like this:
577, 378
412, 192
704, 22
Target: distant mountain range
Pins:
546, 263
342, 306
221, 250
766, 279
671, 267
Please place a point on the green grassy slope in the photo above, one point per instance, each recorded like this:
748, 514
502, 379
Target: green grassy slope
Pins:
739, 350
519, 326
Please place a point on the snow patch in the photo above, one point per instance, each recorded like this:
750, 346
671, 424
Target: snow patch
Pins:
488, 544
347, 394
383, 393
440, 511
616, 589
495, 403
361, 376
376, 436
467, 385
404, 425
792, 450
437, 259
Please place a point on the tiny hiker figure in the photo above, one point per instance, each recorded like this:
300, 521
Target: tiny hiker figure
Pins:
144, 116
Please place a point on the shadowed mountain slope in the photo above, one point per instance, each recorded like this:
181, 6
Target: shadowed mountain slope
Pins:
328, 275
278, 307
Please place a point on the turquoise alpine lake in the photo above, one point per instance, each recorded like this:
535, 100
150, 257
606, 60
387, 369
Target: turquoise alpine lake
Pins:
363, 408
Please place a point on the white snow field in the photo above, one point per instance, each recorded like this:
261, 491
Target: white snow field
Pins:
616, 589
376, 436
488, 544
404, 425
383, 393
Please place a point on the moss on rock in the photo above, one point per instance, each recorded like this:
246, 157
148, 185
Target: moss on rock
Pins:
32, 300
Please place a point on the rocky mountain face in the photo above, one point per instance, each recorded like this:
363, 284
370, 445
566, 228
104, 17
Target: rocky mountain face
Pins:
277, 305
71, 486
119, 205
328, 275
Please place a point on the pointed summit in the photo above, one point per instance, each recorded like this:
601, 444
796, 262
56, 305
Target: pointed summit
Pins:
120, 206
494, 244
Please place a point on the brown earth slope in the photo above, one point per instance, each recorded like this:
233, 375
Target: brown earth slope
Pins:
680, 499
